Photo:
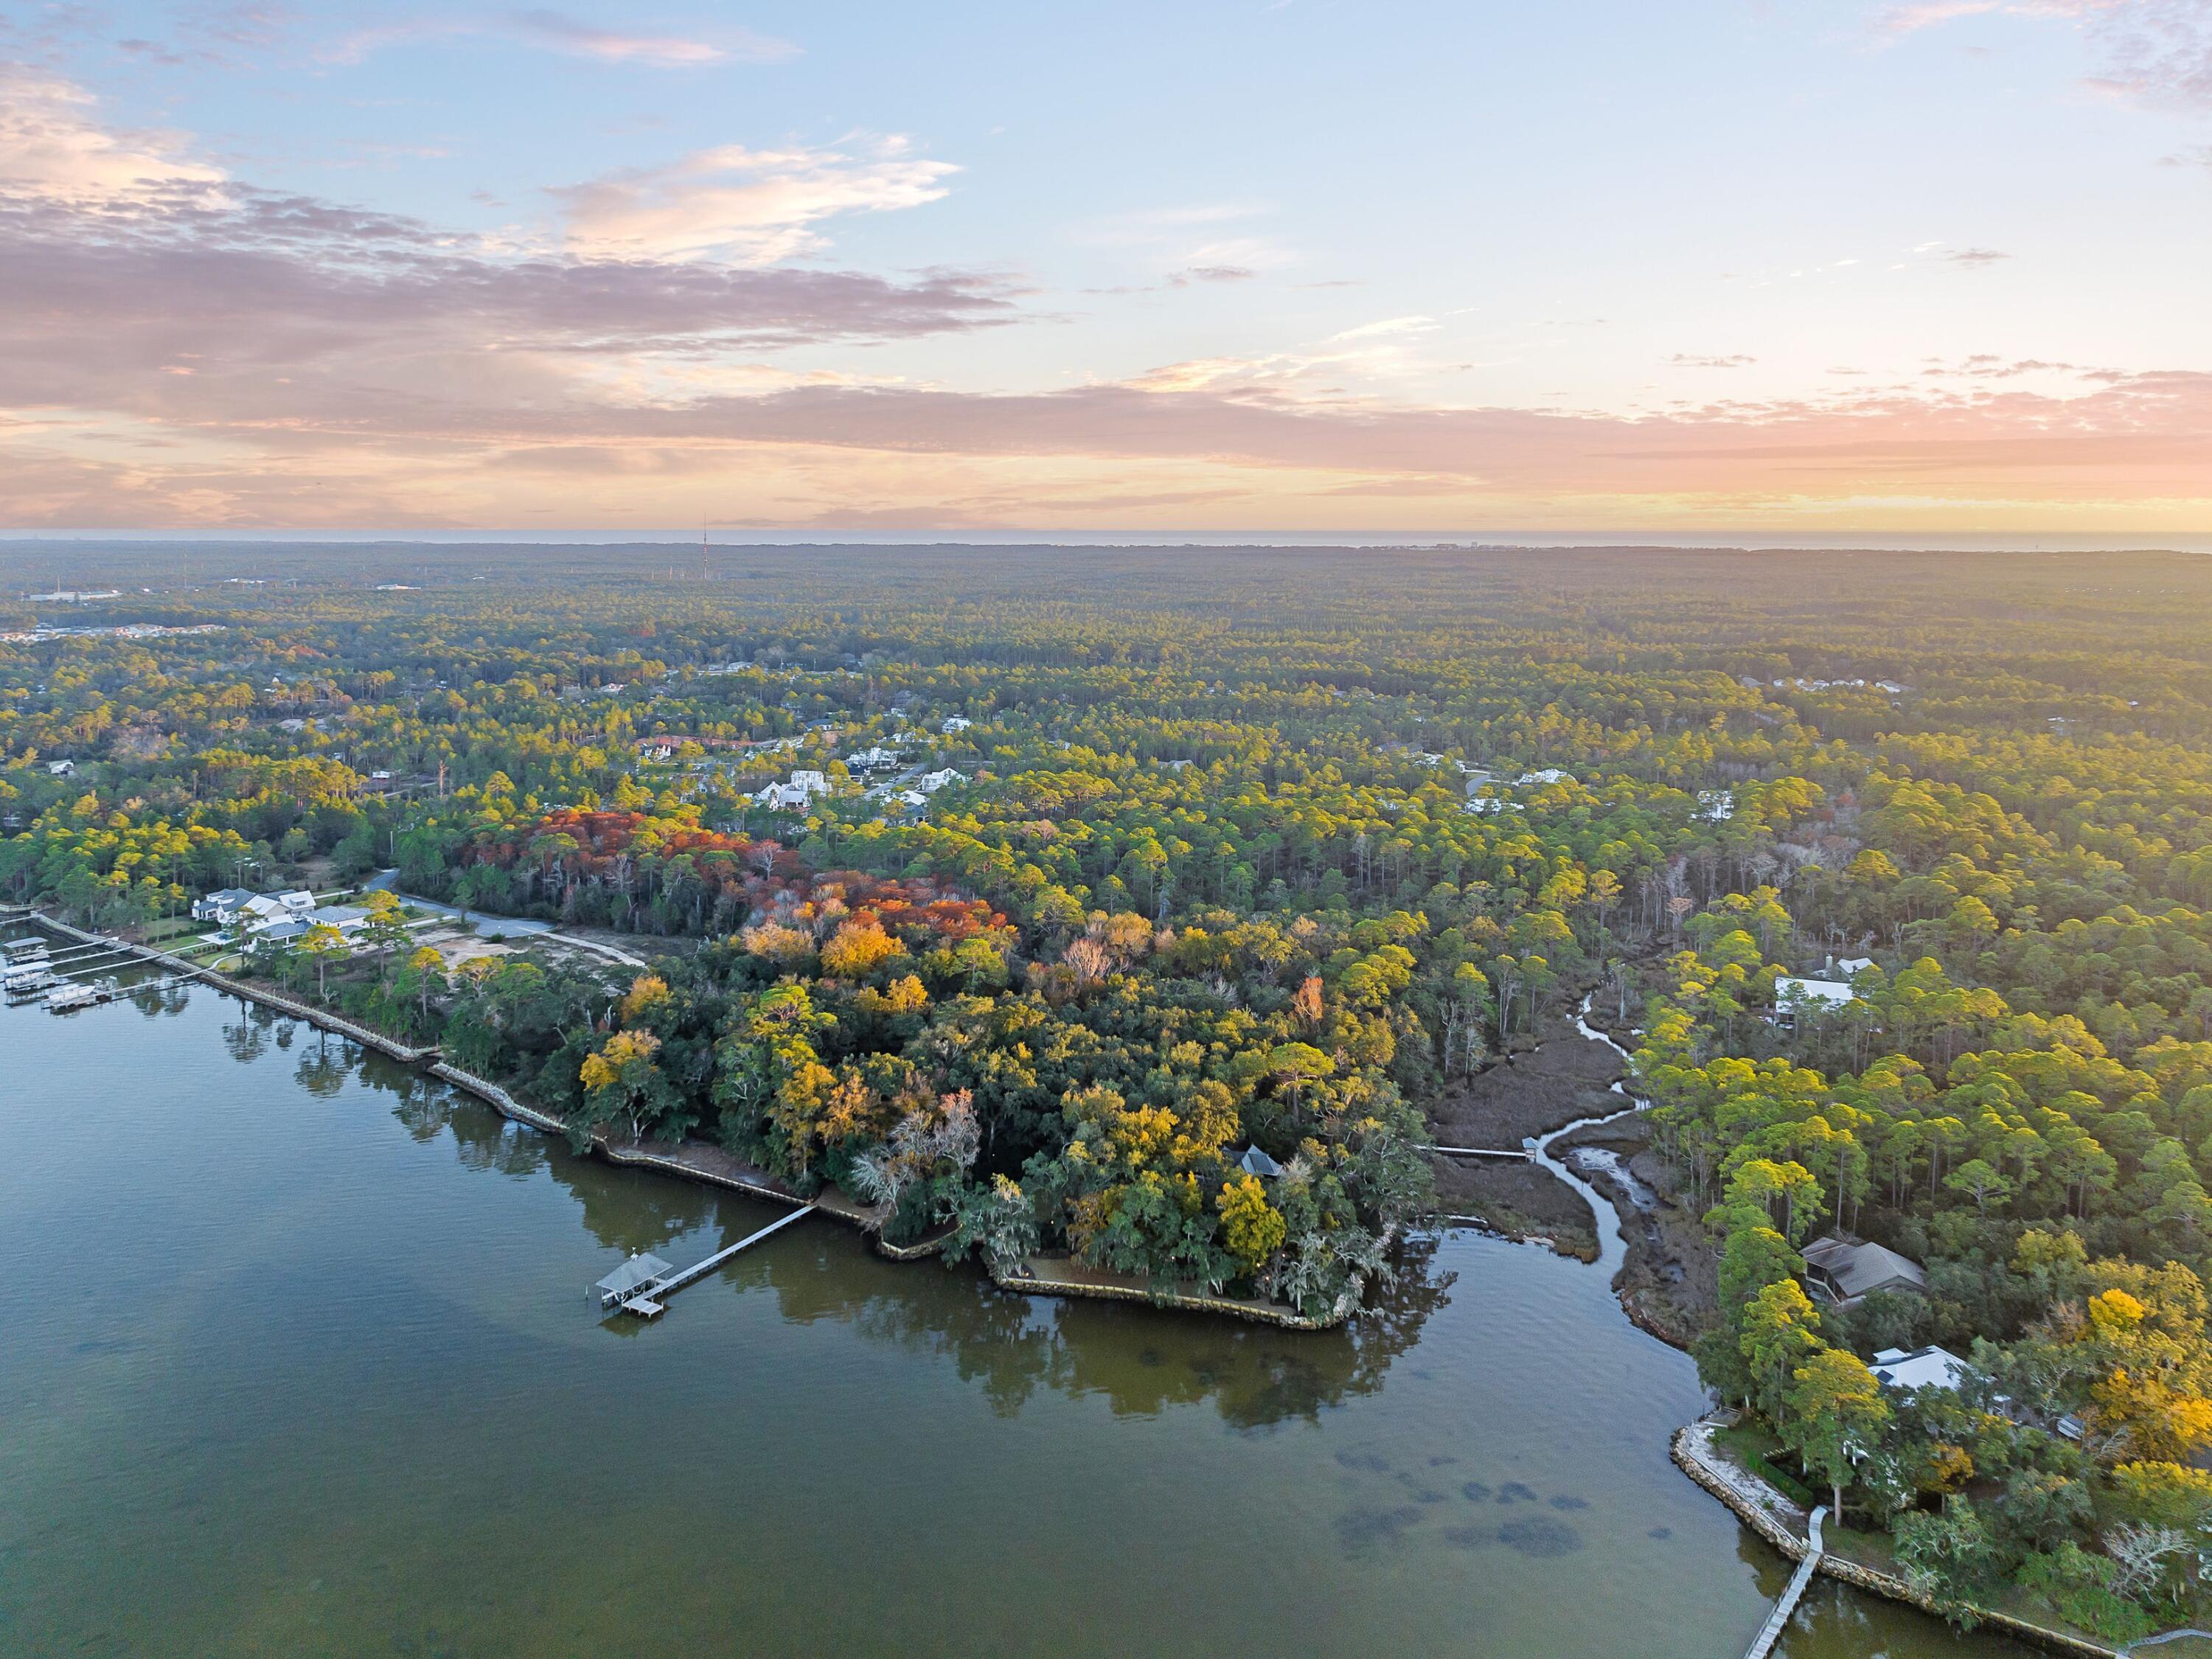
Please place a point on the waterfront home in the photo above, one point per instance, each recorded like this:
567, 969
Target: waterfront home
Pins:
933, 781
1922, 1368
222, 907
266, 910
1844, 1271
348, 920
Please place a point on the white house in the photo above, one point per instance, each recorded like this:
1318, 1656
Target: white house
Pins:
797, 795
1715, 805
61, 768
933, 781
347, 919
1547, 775
266, 910
221, 908
1852, 967
1922, 1368
868, 760
956, 723
1793, 995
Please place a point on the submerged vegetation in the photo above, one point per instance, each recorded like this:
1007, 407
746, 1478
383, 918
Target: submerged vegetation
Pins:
1136, 905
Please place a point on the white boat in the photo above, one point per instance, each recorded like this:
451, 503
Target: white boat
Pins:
71, 997
28, 979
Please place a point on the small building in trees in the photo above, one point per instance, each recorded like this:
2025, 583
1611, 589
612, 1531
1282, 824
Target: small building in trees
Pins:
1922, 1368
1257, 1163
1844, 1271
1794, 996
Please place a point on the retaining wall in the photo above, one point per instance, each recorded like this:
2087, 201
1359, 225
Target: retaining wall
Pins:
1689, 1458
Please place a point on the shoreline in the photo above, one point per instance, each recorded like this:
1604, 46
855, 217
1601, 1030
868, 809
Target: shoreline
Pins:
1049, 1275
1071, 1279
1775, 1519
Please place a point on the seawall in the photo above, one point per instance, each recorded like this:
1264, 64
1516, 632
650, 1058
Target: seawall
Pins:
1769, 1515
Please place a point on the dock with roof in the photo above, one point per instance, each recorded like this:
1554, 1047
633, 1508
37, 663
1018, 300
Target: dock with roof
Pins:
643, 1285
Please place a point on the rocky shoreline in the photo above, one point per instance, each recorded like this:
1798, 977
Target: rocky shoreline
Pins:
1780, 1523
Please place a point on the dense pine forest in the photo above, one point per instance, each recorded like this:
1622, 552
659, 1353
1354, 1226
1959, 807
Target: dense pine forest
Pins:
1141, 906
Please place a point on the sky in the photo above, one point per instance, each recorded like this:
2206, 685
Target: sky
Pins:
1301, 266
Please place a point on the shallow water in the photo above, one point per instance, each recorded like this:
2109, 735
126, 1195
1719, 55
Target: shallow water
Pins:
298, 1359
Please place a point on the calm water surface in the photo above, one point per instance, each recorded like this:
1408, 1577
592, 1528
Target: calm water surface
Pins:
295, 1358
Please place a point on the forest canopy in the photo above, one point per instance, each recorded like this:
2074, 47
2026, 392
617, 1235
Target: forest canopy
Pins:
1140, 904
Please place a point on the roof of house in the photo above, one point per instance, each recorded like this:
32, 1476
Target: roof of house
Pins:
1256, 1162
1832, 992
230, 897
1922, 1368
1855, 1269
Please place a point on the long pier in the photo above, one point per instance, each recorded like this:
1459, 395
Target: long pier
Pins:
646, 1300
1520, 1154
1770, 1632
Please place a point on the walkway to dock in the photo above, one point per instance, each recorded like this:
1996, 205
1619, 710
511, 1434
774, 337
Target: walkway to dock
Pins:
1520, 1153
648, 1299
1771, 1632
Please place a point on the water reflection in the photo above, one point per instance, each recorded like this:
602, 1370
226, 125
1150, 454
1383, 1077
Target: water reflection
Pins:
1141, 1361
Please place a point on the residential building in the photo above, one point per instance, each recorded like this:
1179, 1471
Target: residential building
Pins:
1922, 1368
1794, 996
222, 907
1846, 1271
347, 919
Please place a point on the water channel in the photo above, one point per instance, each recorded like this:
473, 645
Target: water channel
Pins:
295, 1358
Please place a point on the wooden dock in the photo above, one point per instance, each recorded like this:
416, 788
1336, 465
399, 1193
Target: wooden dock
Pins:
1770, 1632
1521, 1154
648, 1300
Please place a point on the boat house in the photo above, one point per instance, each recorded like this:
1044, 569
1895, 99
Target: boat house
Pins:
638, 1274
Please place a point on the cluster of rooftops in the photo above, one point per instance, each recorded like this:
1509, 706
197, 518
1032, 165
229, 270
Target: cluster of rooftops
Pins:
275, 916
